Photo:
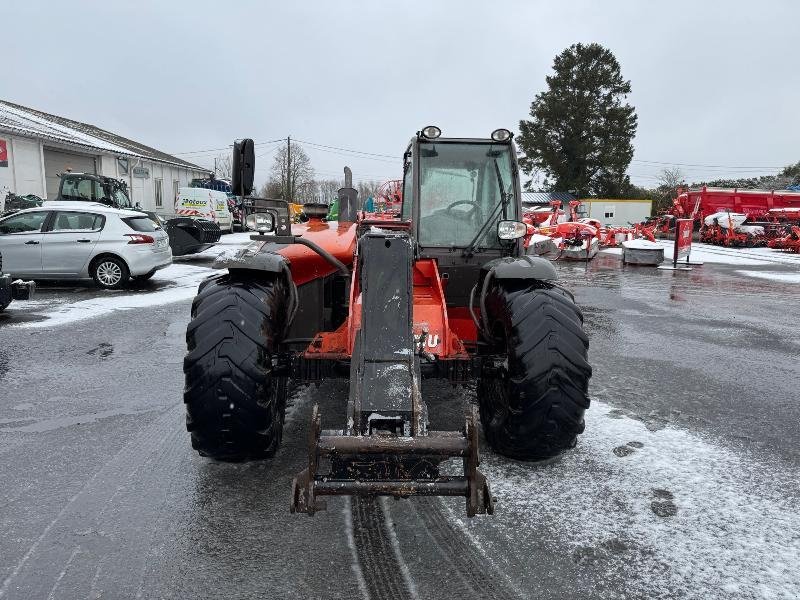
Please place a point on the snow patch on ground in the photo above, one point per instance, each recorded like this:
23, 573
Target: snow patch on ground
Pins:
733, 256
186, 278
178, 282
773, 275
664, 512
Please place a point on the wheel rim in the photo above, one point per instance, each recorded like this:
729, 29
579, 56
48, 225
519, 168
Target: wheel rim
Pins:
109, 273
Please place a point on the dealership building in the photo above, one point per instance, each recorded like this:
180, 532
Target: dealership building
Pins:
36, 147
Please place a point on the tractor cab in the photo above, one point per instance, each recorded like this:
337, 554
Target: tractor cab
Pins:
462, 196
87, 187
457, 191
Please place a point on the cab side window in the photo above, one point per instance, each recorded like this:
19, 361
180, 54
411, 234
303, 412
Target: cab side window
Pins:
24, 223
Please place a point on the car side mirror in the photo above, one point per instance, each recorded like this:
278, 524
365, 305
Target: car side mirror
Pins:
244, 167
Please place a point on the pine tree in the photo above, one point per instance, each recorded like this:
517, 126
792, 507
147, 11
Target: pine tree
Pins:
581, 128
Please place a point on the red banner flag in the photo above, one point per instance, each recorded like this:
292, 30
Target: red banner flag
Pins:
683, 239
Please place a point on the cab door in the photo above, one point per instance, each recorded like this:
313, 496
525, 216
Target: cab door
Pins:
21, 243
68, 242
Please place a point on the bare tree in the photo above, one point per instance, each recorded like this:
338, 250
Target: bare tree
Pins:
328, 189
293, 176
669, 180
271, 189
367, 188
223, 167
671, 177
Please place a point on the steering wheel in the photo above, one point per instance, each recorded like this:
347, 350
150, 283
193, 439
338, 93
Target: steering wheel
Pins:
469, 213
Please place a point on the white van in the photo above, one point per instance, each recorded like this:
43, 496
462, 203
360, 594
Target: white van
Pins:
205, 204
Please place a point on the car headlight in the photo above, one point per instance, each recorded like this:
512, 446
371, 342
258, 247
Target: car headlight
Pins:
511, 230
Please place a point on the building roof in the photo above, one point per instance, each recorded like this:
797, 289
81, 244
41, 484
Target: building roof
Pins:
545, 197
21, 120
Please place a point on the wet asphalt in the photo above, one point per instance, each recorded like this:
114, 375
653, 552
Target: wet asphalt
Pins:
102, 496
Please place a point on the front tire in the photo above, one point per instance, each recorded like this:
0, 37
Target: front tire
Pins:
234, 405
532, 406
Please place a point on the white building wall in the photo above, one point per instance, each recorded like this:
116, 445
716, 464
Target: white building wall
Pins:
28, 167
617, 212
25, 174
25, 171
108, 166
7, 173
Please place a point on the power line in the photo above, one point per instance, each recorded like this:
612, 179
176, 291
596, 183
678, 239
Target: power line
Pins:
225, 148
656, 162
350, 152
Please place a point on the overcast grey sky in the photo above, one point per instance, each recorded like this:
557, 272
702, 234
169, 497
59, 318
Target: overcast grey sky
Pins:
714, 83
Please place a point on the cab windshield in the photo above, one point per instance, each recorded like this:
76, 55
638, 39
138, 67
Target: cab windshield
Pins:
120, 196
464, 188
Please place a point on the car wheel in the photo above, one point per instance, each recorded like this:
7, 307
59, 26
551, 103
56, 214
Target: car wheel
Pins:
110, 273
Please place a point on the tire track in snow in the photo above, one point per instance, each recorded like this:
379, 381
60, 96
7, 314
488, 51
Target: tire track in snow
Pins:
377, 557
477, 573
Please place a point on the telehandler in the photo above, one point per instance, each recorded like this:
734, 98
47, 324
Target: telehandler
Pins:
439, 289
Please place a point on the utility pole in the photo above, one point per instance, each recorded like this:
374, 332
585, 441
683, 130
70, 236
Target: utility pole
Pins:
289, 169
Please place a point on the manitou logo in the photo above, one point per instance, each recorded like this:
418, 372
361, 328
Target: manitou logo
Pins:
428, 340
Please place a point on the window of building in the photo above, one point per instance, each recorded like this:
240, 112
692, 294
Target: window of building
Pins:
609, 212
175, 185
159, 193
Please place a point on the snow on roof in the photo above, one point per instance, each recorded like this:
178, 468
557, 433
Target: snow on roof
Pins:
545, 197
25, 121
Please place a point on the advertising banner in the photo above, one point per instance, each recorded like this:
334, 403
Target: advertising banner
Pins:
683, 238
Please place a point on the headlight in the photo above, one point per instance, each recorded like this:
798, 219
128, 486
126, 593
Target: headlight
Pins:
511, 230
431, 132
260, 222
501, 135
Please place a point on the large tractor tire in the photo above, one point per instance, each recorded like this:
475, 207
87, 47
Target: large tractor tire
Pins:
532, 406
234, 405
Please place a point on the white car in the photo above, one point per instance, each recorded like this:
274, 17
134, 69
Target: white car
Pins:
203, 203
82, 240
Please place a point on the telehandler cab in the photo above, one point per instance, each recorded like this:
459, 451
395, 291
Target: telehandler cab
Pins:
440, 289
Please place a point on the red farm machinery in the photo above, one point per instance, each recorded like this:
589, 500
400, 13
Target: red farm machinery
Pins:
440, 288
738, 218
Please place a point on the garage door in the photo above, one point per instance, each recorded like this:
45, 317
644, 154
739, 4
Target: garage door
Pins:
57, 161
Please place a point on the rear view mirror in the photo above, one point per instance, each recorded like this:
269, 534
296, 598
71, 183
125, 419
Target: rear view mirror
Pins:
244, 167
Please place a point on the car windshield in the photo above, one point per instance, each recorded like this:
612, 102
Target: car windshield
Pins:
460, 192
